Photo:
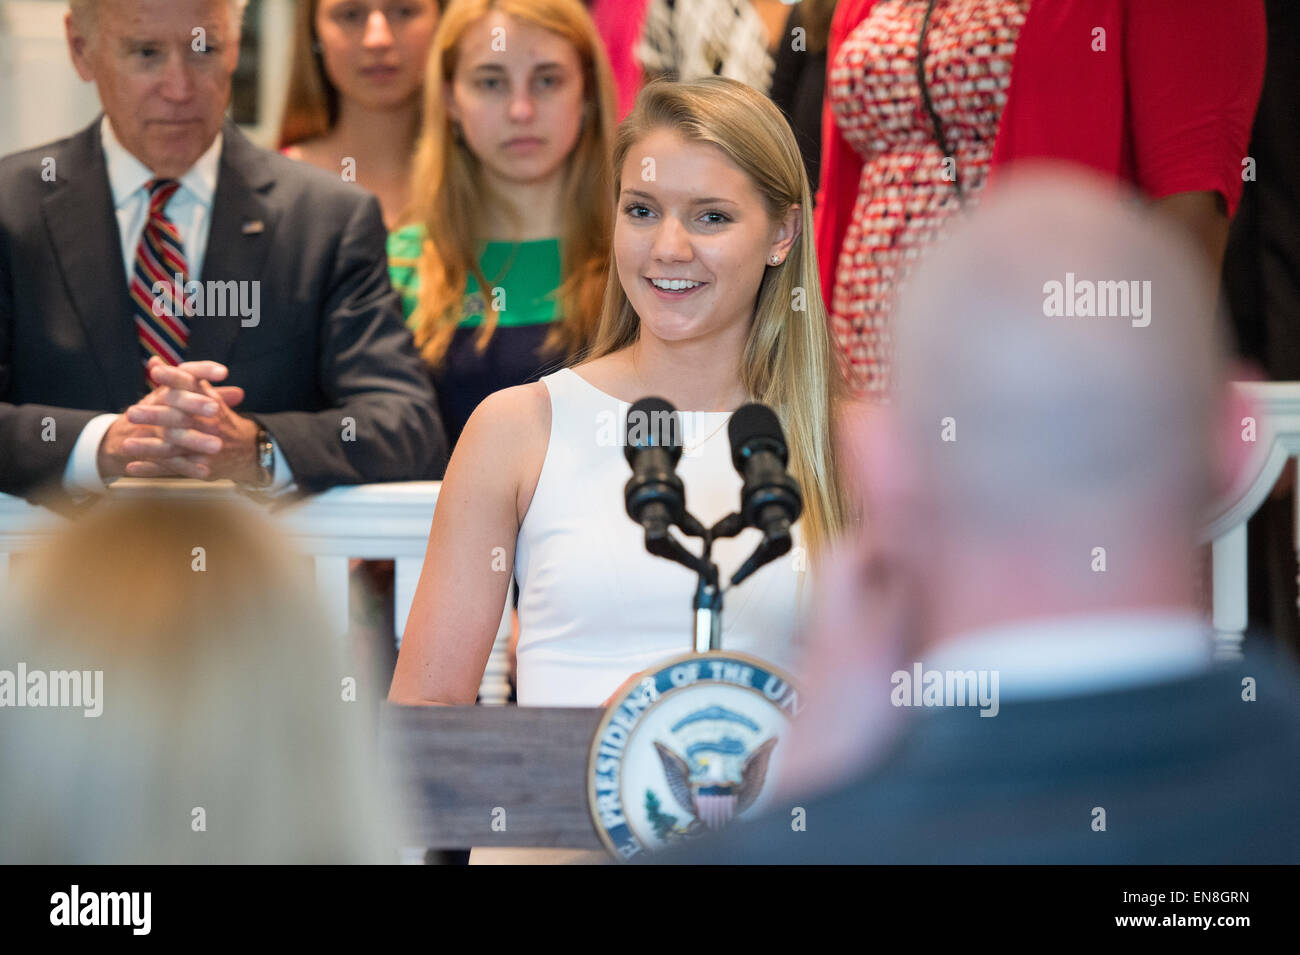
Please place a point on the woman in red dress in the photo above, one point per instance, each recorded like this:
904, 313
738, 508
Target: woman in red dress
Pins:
1159, 94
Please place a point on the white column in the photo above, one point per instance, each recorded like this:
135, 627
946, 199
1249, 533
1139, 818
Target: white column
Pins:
1295, 535
405, 580
332, 590
495, 688
41, 96
276, 36
1230, 593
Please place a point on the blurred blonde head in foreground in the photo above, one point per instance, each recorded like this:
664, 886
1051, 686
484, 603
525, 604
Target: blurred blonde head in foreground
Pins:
224, 736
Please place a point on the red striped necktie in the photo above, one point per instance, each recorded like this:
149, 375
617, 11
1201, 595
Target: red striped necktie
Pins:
160, 317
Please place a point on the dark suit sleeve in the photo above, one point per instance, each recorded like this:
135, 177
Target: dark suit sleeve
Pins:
384, 423
35, 440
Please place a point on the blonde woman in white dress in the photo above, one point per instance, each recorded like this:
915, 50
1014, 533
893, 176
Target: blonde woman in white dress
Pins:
715, 304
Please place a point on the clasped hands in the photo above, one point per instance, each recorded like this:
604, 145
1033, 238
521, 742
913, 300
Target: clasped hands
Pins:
184, 427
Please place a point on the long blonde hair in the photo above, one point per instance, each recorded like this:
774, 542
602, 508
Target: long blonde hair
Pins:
449, 195
221, 688
788, 361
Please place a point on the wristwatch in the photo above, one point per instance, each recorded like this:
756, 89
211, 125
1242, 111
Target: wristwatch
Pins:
265, 460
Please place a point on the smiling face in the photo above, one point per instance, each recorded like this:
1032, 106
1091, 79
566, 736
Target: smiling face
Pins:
518, 95
692, 244
374, 51
163, 85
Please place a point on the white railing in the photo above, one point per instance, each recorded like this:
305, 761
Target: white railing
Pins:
1277, 439
391, 521
372, 521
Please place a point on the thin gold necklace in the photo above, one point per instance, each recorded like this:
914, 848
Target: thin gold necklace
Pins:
692, 448
698, 444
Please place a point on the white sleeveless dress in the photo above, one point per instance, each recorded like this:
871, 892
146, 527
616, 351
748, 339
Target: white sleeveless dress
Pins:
594, 606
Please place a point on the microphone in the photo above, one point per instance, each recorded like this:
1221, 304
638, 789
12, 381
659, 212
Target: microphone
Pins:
654, 494
770, 499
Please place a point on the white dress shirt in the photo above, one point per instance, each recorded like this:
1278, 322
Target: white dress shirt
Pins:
1083, 654
190, 210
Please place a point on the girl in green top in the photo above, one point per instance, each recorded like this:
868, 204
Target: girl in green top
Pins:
502, 270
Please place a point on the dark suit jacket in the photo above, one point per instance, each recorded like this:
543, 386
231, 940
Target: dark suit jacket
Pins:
1186, 771
330, 343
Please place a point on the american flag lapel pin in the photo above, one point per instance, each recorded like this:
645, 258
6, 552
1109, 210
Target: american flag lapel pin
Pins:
254, 227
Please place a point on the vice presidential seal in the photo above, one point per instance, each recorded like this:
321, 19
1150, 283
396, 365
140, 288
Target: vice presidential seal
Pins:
687, 749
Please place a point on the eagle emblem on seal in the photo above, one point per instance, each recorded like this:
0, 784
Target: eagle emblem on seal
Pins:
719, 775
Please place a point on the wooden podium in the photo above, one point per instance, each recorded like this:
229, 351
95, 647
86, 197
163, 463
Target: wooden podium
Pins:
500, 776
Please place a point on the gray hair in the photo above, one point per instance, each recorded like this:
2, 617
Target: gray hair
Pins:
1061, 422
85, 12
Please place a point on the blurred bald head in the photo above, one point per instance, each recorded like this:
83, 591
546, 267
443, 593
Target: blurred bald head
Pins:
1060, 362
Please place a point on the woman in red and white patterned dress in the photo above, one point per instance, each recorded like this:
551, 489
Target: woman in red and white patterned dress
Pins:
1156, 93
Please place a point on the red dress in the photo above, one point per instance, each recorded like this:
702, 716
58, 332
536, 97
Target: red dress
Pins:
1156, 93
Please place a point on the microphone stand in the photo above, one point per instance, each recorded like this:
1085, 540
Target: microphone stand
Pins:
708, 593
708, 605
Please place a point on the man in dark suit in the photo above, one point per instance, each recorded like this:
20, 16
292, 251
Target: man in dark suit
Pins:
158, 252
1013, 668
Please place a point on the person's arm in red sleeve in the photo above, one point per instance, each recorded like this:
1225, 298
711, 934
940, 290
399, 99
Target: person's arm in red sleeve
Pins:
841, 167
1195, 69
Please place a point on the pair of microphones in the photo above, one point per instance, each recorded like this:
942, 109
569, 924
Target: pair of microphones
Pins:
770, 499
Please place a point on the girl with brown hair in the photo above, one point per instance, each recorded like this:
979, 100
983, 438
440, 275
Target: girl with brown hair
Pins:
353, 107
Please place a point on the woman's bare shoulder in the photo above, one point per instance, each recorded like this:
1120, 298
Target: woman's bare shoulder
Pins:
503, 445
514, 413
518, 432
